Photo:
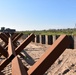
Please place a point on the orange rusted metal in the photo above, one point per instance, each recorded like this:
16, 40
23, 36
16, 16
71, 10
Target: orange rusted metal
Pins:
12, 52
50, 56
3, 38
14, 35
18, 67
41, 66
3, 52
24, 43
17, 37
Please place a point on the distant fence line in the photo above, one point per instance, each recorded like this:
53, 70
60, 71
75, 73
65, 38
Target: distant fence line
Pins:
50, 39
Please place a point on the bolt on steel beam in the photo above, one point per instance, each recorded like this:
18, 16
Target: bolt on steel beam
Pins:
18, 67
16, 37
0, 54
11, 49
50, 56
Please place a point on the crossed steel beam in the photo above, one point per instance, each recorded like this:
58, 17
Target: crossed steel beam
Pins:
12, 52
41, 66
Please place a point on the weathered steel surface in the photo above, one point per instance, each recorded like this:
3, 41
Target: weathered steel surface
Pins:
50, 56
3, 52
1, 73
24, 43
3, 38
14, 35
11, 49
11, 53
18, 67
4, 35
0, 54
17, 37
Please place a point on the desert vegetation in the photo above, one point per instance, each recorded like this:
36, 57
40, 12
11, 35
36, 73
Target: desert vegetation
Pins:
68, 31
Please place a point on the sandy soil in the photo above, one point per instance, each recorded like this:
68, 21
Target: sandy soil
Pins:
64, 65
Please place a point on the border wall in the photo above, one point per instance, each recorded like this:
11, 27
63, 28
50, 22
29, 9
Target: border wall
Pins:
50, 39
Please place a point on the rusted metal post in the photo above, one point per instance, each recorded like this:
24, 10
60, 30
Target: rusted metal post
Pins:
8, 34
50, 56
0, 54
14, 38
11, 49
18, 67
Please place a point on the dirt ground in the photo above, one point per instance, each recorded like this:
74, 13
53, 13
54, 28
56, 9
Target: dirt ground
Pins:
64, 65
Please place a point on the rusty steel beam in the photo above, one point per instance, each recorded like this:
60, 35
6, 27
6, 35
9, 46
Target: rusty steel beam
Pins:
5, 46
4, 35
11, 49
50, 56
24, 43
17, 51
1, 73
17, 37
14, 38
18, 67
14, 35
3, 52
0, 54
4, 63
11, 52
3, 38
7, 34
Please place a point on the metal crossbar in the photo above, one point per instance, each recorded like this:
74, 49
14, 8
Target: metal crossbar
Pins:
50, 56
11, 50
14, 52
18, 67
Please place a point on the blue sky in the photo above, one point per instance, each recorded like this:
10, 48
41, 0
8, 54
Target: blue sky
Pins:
37, 14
